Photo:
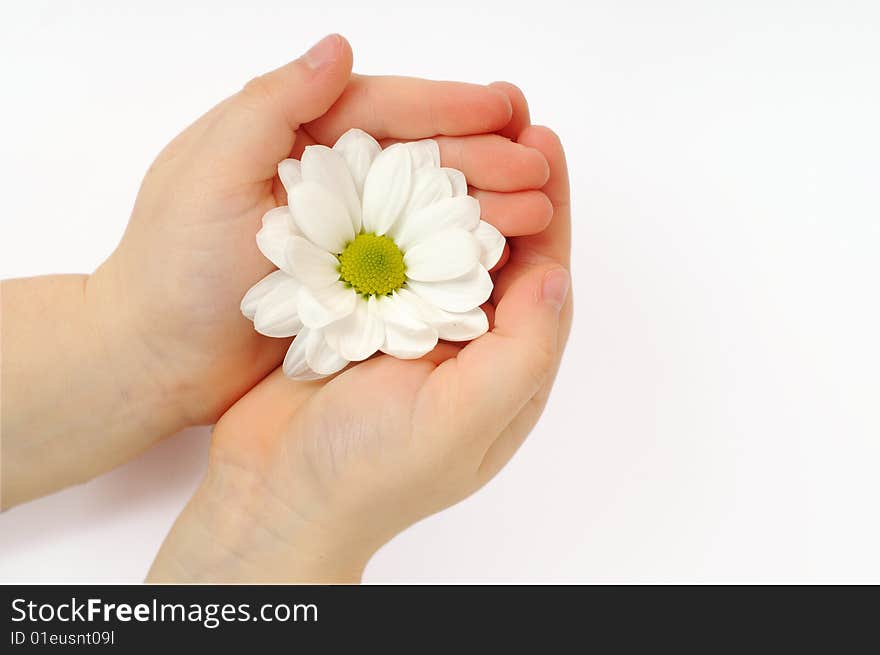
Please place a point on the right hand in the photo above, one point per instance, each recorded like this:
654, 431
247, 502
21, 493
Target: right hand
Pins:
307, 480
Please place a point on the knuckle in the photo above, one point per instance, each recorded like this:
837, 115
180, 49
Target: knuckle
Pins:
257, 90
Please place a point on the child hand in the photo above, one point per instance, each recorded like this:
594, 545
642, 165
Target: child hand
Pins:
189, 253
154, 340
307, 480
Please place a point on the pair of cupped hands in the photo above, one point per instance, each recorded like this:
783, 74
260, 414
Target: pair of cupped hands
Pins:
306, 480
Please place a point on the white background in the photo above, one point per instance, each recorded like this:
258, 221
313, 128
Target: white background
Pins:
717, 417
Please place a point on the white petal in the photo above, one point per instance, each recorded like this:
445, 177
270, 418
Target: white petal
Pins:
458, 181
429, 185
491, 244
295, 363
407, 336
259, 291
387, 188
424, 153
290, 173
312, 266
463, 212
451, 326
321, 216
319, 307
461, 326
326, 167
459, 295
358, 335
278, 227
320, 357
442, 256
358, 149
277, 314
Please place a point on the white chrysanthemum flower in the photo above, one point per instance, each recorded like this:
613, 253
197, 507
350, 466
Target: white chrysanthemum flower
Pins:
377, 250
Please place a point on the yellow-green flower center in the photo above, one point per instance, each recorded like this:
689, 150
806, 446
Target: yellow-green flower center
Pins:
372, 265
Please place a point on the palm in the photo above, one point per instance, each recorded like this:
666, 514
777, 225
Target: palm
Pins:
365, 439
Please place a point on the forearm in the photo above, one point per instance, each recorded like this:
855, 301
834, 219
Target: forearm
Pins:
79, 395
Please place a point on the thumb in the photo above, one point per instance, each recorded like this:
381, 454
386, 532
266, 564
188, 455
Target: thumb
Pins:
502, 370
259, 122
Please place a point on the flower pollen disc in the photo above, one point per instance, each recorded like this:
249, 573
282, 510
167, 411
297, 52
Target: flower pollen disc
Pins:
372, 265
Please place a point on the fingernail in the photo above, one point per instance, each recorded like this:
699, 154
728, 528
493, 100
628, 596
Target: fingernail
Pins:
323, 52
555, 287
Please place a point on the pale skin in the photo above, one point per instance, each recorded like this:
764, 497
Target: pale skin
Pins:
305, 480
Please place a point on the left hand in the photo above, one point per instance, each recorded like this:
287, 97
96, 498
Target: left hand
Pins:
189, 254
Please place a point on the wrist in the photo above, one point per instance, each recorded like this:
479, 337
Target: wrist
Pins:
78, 400
121, 323
235, 529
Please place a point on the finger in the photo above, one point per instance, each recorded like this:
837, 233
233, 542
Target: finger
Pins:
517, 213
257, 126
553, 243
491, 162
411, 108
494, 163
498, 373
519, 118
488, 161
